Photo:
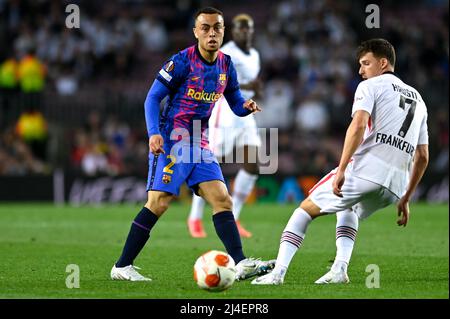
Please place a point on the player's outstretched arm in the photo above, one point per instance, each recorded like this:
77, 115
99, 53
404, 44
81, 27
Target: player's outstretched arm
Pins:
419, 166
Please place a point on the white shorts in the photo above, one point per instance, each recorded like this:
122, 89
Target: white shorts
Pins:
362, 196
227, 130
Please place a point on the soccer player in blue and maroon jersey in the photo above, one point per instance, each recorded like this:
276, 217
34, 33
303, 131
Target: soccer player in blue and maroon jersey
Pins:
193, 79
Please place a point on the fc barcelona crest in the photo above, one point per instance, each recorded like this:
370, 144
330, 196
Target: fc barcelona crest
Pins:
222, 78
166, 179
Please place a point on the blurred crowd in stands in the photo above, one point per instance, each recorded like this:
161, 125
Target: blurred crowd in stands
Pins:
309, 70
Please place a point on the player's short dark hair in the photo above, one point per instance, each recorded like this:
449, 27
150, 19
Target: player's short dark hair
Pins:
380, 48
207, 10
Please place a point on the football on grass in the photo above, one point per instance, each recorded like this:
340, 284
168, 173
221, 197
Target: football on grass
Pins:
214, 271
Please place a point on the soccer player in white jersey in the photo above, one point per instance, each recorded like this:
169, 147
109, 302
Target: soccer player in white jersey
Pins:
227, 130
384, 157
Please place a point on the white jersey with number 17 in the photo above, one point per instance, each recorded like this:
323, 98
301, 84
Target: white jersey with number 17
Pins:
397, 124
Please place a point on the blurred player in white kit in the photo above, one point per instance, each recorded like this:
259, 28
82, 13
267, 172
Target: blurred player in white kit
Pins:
228, 131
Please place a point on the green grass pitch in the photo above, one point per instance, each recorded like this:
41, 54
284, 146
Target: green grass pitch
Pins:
38, 241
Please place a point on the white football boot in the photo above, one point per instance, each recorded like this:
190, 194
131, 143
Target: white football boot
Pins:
127, 273
269, 279
333, 277
250, 267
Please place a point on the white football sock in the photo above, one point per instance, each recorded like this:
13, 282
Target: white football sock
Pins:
243, 186
291, 239
197, 207
346, 229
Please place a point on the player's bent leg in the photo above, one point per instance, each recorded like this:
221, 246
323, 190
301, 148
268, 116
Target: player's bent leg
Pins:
291, 240
346, 230
347, 223
243, 185
250, 164
310, 208
123, 269
197, 207
194, 222
158, 202
216, 194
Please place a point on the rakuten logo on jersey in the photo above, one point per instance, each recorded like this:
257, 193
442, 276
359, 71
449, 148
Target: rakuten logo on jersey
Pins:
204, 96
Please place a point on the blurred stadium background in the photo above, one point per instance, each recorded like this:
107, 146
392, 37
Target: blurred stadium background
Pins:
72, 132
72, 123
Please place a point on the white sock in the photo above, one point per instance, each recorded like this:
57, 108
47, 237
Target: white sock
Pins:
197, 206
243, 186
346, 229
291, 240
